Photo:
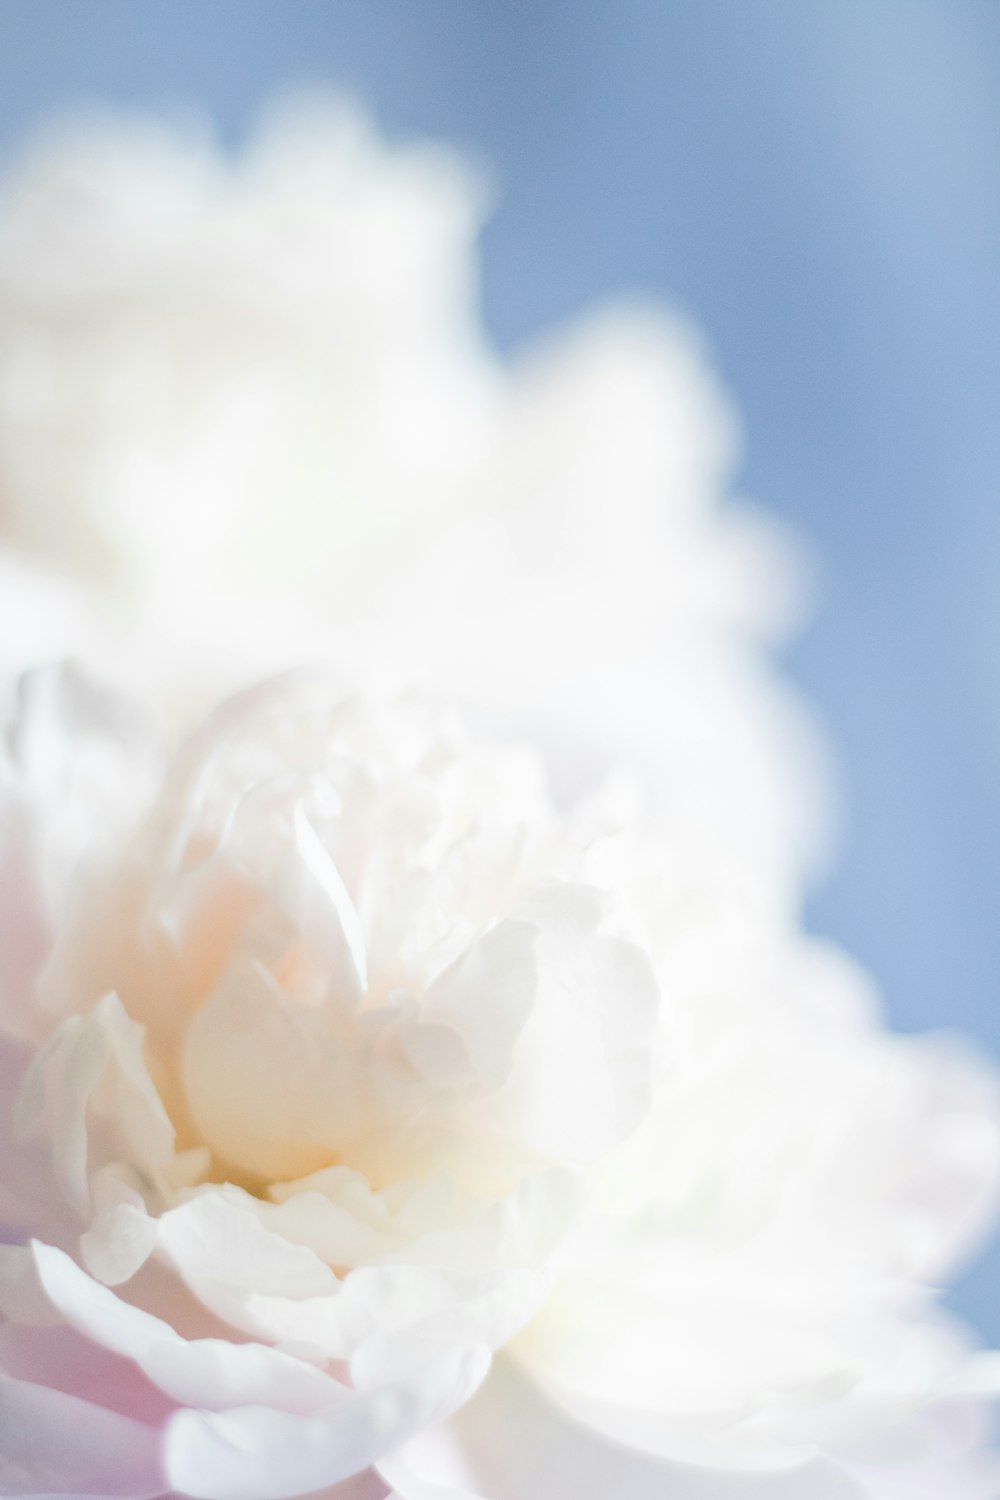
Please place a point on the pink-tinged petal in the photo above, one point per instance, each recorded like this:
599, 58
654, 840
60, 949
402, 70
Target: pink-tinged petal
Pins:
22, 1297
92, 1073
29, 1200
66, 1361
262, 1454
201, 1372
24, 924
51, 1442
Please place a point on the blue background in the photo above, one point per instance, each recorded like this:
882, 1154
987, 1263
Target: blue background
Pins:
817, 183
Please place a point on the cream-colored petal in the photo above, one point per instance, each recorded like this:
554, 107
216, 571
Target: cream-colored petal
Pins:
275, 1088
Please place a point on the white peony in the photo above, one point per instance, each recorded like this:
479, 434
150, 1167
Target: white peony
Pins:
384, 1125
349, 1063
249, 404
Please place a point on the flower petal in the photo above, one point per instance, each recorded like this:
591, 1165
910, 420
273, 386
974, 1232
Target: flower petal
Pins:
580, 1081
54, 1442
76, 770
271, 1087
261, 1454
213, 1373
92, 1073
385, 1319
483, 999
29, 1198
508, 1443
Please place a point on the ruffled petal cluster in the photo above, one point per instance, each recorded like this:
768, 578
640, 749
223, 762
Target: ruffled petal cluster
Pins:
349, 1068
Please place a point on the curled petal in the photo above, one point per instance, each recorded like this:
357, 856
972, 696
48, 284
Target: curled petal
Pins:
213, 1373
385, 1319
262, 1454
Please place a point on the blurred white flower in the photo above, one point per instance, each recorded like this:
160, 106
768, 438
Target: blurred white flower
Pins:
250, 402
211, 367
349, 1061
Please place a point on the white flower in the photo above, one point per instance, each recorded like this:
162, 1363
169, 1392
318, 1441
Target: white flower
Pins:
344, 1059
190, 345
350, 1062
250, 402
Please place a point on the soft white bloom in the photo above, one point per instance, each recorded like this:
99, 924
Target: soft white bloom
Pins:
211, 367
349, 1061
249, 402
